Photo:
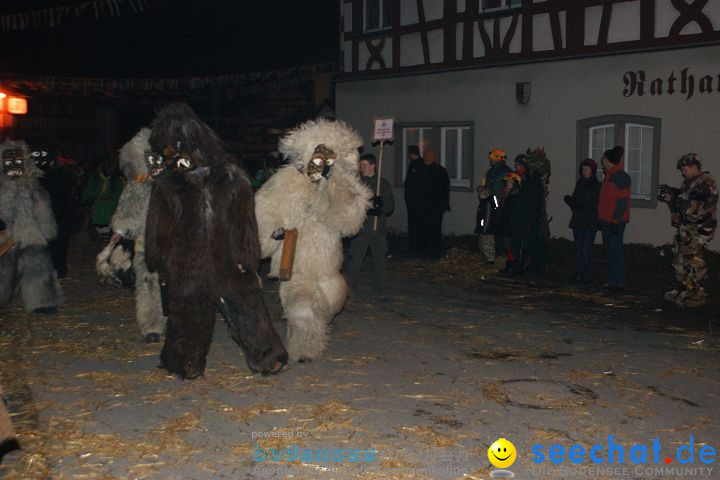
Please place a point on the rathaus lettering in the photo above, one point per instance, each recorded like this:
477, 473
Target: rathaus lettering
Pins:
683, 83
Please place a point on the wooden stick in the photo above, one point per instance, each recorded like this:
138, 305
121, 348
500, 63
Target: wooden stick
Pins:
288, 254
378, 173
5, 246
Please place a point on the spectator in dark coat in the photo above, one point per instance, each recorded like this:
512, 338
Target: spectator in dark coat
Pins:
489, 193
433, 183
413, 197
59, 184
584, 221
513, 225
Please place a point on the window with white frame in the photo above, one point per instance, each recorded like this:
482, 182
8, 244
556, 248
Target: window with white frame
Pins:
499, 4
377, 14
639, 136
452, 142
602, 138
639, 159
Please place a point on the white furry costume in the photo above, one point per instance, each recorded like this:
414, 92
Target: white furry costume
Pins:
129, 221
25, 208
323, 212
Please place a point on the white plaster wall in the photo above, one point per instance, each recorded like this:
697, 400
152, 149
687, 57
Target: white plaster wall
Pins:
562, 93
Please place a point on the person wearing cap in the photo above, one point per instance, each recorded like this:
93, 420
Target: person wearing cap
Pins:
413, 197
693, 209
490, 196
584, 221
373, 234
613, 215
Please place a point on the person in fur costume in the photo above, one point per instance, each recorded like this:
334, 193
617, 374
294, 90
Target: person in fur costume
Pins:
59, 184
140, 167
201, 237
25, 209
321, 195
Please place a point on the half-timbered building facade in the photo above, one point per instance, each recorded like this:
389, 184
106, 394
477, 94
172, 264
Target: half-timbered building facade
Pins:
573, 76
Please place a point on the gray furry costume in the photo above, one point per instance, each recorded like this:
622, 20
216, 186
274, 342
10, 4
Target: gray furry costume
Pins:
25, 208
201, 236
128, 222
321, 195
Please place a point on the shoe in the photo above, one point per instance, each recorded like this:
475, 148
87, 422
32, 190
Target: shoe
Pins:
671, 295
691, 298
614, 289
46, 310
152, 337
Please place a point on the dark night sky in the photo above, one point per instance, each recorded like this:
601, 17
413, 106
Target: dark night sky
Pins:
176, 38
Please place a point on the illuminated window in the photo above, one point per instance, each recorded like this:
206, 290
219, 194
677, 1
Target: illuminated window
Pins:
452, 142
639, 136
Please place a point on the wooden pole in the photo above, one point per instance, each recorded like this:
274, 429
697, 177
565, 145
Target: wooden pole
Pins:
378, 173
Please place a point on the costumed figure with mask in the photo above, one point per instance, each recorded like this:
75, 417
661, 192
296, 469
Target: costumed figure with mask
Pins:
319, 194
125, 253
25, 209
60, 184
201, 237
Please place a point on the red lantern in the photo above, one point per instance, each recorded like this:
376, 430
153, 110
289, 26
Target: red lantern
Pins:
16, 105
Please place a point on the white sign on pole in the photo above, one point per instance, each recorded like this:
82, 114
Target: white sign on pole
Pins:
383, 129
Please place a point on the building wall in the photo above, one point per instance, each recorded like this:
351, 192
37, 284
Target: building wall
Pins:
563, 92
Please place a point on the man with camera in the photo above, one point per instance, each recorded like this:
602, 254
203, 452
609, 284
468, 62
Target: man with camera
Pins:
693, 212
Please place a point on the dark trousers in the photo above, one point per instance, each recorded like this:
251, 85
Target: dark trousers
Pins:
614, 253
58, 250
414, 230
431, 234
584, 262
377, 243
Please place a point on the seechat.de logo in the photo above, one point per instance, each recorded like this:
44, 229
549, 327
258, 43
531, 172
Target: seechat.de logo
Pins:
615, 453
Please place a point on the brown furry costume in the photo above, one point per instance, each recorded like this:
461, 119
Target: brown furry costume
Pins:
201, 235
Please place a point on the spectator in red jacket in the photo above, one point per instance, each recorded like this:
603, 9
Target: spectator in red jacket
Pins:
613, 215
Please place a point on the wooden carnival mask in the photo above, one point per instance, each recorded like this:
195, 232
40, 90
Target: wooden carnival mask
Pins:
155, 164
42, 158
13, 163
320, 163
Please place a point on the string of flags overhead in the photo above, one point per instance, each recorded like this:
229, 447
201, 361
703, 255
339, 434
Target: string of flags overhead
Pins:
118, 86
55, 16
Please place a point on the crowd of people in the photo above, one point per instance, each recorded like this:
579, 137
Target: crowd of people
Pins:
511, 219
606, 207
511, 210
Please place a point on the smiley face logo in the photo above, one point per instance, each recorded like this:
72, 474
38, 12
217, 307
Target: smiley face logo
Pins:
502, 453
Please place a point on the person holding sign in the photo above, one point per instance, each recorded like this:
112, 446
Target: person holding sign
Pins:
373, 234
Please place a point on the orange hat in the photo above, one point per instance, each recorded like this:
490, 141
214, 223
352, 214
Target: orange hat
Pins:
514, 177
497, 155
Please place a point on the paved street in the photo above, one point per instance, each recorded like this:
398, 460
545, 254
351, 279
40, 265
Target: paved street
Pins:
415, 387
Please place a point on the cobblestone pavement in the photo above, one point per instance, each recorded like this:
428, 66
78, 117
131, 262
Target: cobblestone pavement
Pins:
415, 387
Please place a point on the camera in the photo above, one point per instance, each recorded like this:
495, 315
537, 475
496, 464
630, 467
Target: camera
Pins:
665, 189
